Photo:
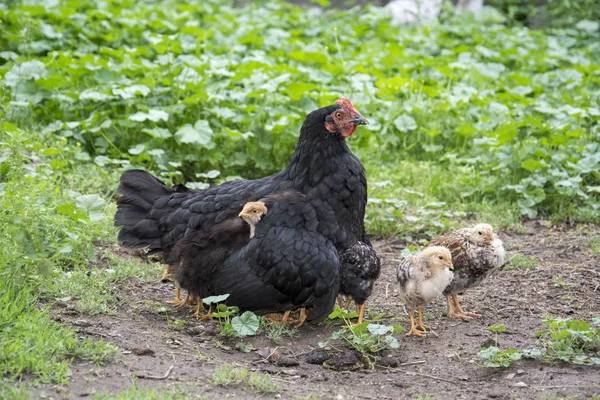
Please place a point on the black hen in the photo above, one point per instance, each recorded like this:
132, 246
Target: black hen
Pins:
322, 168
287, 265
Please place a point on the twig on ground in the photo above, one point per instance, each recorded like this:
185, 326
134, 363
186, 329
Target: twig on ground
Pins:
412, 363
159, 378
387, 286
437, 378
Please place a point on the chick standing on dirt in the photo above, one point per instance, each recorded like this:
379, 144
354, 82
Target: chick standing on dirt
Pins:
422, 278
476, 253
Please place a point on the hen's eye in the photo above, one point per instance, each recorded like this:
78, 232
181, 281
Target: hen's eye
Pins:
339, 115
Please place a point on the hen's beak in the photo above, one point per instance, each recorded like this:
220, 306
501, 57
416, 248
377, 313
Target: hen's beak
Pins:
449, 265
358, 120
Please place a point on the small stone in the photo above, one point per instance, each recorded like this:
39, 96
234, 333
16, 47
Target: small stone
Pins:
143, 352
389, 362
287, 362
520, 384
316, 357
509, 376
82, 323
521, 372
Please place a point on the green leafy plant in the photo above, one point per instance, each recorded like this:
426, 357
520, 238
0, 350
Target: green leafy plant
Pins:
495, 357
571, 340
368, 339
262, 383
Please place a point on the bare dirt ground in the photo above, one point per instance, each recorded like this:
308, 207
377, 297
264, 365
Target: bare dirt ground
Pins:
447, 366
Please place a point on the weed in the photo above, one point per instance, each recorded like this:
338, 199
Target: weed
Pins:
594, 244
228, 375
521, 261
368, 339
262, 383
277, 331
495, 357
425, 397
560, 282
136, 392
570, 340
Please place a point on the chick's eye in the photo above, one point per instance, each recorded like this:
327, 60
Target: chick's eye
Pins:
339, 115
441, 258
480, 233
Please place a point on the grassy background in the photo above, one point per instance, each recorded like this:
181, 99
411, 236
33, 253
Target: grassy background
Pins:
470, 120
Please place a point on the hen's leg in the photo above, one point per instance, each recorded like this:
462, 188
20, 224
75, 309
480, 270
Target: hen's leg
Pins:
348, 302
177, 300
166, 273
340, 301
301, 318
413, 329
360, 309
187, 301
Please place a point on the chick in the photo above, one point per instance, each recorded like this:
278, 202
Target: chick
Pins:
252, 213
476, 253
422, 278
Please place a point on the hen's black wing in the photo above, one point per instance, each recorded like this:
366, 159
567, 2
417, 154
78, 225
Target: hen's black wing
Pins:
197, 255
287, 265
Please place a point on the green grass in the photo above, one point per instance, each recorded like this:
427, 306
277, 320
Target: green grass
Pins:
522, 261
135, 392
93, 290
262, 383
228, 375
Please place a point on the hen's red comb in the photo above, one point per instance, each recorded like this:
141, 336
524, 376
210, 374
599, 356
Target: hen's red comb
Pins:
347, 104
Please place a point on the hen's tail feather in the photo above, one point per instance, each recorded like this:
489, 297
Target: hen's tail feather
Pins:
139, 190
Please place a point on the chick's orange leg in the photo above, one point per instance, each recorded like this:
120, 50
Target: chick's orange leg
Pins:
420, 325
458, 311
413, 329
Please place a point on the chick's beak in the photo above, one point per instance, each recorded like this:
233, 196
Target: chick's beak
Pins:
449, 265
359, 120
242, 215
489, 237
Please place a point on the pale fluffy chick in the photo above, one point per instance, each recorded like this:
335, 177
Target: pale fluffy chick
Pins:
476, 253
422, 278
252, 213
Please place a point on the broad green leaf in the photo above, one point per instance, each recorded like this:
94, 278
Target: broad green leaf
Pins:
93, 206
245, 324
215, 299
405, 123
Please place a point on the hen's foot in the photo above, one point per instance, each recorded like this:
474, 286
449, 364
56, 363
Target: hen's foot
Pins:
199, 315
301, 318
166, 274
177, 300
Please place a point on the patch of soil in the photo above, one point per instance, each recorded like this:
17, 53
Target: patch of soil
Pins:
161, 353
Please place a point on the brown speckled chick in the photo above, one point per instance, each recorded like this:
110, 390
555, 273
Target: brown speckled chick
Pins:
476, 253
